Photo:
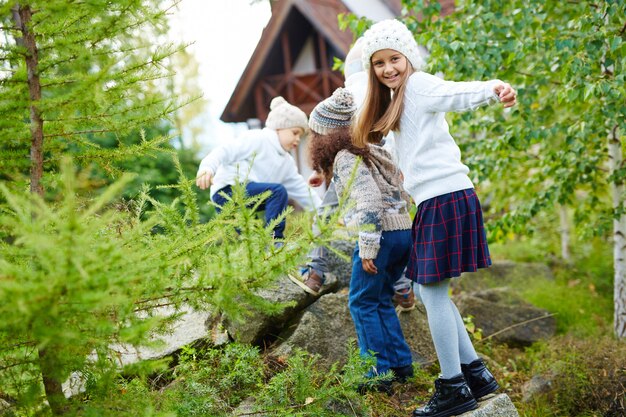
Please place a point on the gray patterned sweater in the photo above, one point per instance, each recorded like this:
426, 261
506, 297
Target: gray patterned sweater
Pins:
381, 202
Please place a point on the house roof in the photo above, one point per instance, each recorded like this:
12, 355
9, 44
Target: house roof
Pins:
322, 14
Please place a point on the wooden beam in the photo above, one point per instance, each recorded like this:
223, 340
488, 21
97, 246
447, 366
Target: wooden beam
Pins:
322, 47
261, 108
287, 63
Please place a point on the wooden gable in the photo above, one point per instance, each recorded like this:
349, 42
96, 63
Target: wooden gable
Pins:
296, 27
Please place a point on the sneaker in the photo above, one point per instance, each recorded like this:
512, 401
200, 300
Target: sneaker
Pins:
404, 299
311, 280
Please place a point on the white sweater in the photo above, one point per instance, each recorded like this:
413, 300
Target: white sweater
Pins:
257, 156
429, 158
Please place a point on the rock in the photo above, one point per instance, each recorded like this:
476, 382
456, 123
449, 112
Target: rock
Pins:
342, 268
538, 385
498, 406
417, 334
5, 408
497, 309
189, 328
325, 328
501, 274
246, 408
260, 326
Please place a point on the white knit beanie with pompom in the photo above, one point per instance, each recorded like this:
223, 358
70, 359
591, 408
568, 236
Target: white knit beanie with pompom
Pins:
390, 34
284, 115
334, 112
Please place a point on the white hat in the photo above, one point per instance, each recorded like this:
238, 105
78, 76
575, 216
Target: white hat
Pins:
284, 115
353, 64
390, 34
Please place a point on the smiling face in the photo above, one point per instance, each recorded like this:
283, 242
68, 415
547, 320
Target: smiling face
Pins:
389, 66
290, 138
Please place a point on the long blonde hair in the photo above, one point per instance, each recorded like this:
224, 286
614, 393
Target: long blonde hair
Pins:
381, 111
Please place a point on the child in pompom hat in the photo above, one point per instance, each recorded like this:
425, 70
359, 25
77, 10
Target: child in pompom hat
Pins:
262, 158
313, 275
448, 231
382, 218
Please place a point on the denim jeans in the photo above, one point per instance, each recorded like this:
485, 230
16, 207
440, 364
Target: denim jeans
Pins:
377, 326
274, 205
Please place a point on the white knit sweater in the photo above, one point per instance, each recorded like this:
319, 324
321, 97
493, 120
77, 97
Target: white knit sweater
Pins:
257, 156
429, 158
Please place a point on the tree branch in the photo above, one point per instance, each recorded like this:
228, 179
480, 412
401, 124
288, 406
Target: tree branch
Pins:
525, 74
517, 325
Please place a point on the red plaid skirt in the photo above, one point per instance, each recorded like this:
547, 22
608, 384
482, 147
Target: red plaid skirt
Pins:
448, 238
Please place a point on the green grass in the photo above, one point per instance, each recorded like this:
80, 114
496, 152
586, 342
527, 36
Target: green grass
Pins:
581, 294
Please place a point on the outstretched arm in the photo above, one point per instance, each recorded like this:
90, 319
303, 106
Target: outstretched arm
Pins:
436, 95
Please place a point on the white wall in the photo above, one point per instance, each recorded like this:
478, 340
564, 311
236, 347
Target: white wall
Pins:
372, 9
305, 63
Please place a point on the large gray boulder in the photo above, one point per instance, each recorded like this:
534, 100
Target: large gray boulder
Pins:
260, 325
326, 327
501, 274
417, 334
502, 314
341, 266
323, 329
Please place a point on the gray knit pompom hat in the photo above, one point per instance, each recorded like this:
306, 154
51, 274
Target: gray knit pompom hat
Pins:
284, 115
390, 34
334, 112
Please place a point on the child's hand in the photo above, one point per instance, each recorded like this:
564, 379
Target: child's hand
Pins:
315, 179
506, 94
368, 266
204, 179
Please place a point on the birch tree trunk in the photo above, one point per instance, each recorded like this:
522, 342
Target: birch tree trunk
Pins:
619, 237
565, 234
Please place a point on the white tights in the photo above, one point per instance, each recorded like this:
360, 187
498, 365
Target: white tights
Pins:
450, 338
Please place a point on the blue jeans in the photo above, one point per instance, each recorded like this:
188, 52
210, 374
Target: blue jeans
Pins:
377, 326
274, 205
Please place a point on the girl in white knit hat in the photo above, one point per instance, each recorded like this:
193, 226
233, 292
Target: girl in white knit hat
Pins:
372, 181
261, 158
448, 233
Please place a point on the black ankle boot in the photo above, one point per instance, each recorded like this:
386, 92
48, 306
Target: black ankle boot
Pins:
451, 398
377, 386
402, 374
479, 379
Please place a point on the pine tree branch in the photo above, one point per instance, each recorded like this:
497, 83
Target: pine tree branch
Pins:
173, 294
16, 364
152, 307
19, 345
94, 54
